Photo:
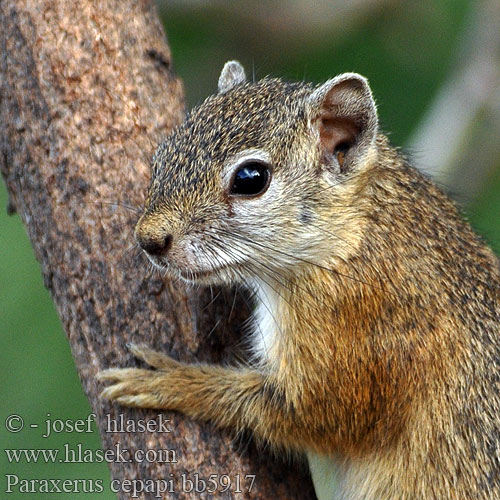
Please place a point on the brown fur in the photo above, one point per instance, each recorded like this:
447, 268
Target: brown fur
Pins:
389, 347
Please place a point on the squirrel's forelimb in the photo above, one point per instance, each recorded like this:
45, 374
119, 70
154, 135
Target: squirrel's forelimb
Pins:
241, 399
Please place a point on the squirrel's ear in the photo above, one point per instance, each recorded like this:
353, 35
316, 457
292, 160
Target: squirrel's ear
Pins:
232, 74
343, 114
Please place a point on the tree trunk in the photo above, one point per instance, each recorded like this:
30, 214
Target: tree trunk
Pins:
87, 90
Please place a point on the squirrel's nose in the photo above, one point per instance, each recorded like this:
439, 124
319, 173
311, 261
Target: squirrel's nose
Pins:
155, 244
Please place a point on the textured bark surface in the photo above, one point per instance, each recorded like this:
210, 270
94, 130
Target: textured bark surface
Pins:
86, 92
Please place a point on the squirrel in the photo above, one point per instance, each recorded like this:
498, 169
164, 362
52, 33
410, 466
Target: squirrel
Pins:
376, 339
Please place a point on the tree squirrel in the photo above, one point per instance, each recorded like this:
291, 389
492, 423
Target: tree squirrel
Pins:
377, 326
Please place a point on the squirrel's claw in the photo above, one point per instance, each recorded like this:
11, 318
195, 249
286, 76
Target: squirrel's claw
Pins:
116, 374
151, 357
139, 401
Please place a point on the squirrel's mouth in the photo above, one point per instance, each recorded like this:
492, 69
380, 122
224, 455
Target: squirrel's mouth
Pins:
200, 276
203, 277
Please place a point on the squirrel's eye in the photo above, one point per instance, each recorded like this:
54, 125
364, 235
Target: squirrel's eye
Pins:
251, 179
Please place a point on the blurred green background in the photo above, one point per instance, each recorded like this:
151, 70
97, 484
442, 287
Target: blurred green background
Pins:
407, 50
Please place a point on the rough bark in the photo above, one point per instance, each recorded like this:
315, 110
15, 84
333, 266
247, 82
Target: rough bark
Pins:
86, 91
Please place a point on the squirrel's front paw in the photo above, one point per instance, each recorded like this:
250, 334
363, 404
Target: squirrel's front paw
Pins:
138, 387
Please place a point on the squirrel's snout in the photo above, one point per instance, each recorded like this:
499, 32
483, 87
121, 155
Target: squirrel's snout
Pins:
154, 243
156, 247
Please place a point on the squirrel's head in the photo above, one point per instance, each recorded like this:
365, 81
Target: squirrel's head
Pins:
259, 179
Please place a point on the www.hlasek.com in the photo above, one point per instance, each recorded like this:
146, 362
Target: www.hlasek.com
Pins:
171, 483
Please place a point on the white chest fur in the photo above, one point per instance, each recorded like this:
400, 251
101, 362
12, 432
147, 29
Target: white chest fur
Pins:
325, 476
336, 479
267, 325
